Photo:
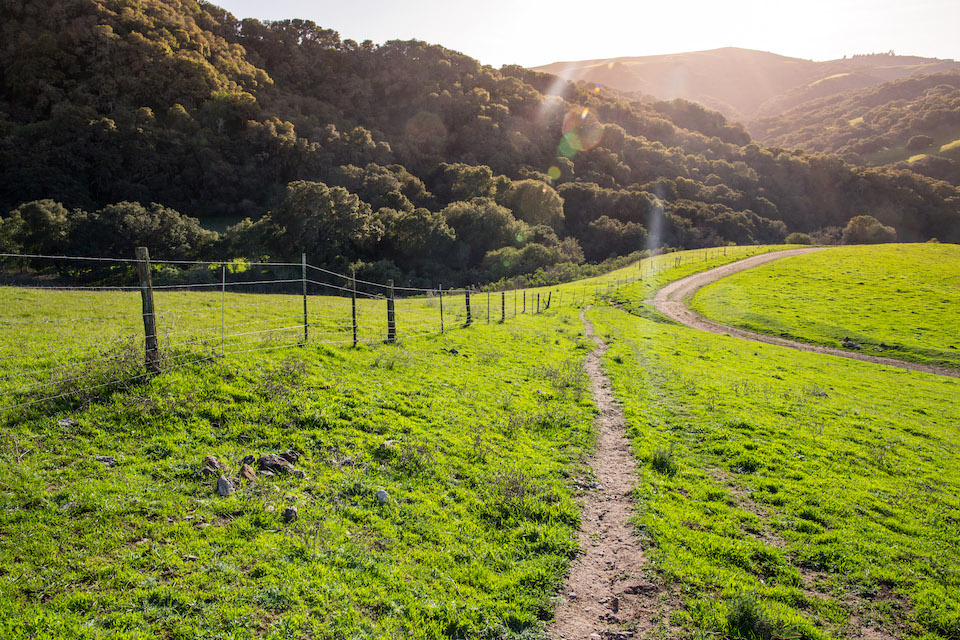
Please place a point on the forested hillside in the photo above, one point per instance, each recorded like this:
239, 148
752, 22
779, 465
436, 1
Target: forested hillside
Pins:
405, 160
915, 121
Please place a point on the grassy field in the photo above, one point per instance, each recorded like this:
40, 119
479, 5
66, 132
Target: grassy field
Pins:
785, 494
478, 451
782, 494
898, 301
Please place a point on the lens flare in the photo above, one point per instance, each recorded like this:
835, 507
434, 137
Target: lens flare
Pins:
581, 131
554, 172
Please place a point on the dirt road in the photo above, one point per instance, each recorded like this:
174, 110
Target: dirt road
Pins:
672, 302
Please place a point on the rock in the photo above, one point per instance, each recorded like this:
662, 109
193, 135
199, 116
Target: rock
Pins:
206, 472
213, 463
382, 497
271, 508
274, 463
298, 473
290, 456
347, 462
224, 486
290, 514
454, 352
109, 461
267, 474
615, 604
248, 459
248, 473
188, 556
67, 422
67, 506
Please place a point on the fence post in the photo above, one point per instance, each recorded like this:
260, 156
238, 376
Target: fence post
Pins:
440, 289
151, 348
391, 318
524, 301
503, 307
469, 315
223, 309
353, 302
549, 298
538, 302
303, 275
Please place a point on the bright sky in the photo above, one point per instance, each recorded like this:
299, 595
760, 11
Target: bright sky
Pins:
498, 32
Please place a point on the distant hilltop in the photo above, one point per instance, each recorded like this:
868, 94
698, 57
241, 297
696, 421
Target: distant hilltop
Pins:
745, 84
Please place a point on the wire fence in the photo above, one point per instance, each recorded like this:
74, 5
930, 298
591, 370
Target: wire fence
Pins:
65, 341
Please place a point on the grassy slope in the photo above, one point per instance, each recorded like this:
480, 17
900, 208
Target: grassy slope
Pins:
903, 296
477, 453
818, 492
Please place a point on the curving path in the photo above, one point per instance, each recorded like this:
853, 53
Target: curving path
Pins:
671, 301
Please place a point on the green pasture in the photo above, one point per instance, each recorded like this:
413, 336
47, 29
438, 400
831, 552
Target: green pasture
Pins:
478, 450
896, 300
785, 494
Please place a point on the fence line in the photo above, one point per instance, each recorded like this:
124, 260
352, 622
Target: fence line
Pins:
347, 316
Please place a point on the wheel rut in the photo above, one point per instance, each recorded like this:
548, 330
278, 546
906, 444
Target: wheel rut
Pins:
606, 594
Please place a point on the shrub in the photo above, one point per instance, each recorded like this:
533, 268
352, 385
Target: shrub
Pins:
798, 238
663, 462
867, 230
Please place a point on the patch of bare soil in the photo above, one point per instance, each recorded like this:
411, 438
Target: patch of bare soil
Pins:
608, 593
672, 302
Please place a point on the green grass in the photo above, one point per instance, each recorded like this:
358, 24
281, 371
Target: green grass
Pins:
478, 452
898, 301
813, 496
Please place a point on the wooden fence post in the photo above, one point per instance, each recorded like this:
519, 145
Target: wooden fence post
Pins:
469, 315
503, 307
303, 275
549, 298
151, 348
440, 289
391, 318
538, 302
353, 302
524, 301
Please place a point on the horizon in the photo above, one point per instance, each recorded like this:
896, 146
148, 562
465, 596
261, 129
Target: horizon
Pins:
531, 37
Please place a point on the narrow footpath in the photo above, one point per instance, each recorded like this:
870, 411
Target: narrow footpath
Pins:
606, 594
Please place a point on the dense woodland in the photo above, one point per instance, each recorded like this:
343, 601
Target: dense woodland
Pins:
913, 121
121, 121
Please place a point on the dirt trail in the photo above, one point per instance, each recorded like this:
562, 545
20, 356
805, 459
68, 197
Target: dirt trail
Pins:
671, 301
606, 594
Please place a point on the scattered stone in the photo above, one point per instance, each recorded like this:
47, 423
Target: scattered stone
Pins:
847, 343
67, 506
188, 556
248, 473
274, 463
213, 463
248, 459
271, 508
638, 589
572, 595
67, 422
615, 604
347, 462
224, 486
290, 514
206, 472
382, 497
454, 352
267, 474
109, 461
290, 456
298, 473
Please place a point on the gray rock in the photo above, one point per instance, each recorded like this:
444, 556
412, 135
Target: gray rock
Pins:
248, 459
213, 463
224, 486
382, 497
290, 456
206, 472
290, 514
67, 506
274, 463
67, 422
347, 462
267, 474
298, 473
109, 461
